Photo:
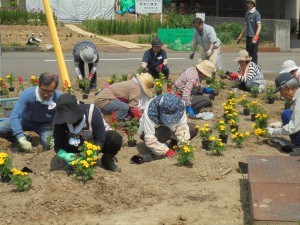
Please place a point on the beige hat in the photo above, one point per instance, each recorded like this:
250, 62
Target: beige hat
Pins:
288, 66
147, 82
206, 67
254, 1
88, 55
243, 56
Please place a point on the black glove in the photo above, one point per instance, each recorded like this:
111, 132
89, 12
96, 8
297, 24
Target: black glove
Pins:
192, 55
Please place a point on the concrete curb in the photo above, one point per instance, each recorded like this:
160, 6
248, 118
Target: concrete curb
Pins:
20, 49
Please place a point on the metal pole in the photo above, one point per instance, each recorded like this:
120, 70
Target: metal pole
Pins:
0, 56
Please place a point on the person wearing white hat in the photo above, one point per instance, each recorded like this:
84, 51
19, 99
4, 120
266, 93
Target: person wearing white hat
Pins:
289, 66
189, 88
252, 29
249, 73
86, 52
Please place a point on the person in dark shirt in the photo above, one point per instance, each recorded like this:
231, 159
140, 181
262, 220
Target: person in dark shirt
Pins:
76, 122
155, 60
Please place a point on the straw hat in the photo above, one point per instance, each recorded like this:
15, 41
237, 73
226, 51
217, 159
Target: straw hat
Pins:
206, 67
88, 55
243, 56
146, 80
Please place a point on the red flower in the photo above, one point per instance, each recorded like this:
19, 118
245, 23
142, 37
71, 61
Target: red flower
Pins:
3, 85
169, 89
20, 79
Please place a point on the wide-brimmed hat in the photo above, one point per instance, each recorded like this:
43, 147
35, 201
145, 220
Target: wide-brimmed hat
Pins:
68, 109
206, 67
288, 66
253, 1
243, 56
146, 80
281, 79
156, 42
88, 55
166, 109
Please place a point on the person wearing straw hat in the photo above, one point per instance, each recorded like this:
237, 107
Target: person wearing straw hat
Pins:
76, 122
288, 86
126, 97
155, 60
188, 85
252, 29
249, 73
86, 52
164, 119
289, 66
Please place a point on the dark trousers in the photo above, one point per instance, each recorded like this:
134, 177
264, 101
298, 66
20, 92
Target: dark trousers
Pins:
94, 78
286, 117
164, 134
252, 49
112, 144
155, 74
199, 102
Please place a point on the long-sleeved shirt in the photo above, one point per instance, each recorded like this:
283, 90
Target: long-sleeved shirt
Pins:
206, 37
251, 73
127, 91
147, 126
30, 111
61, 132
188, 81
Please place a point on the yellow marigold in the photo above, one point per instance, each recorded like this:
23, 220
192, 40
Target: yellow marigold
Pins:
175, 147
247, 133
24, 174
74, 162
206, 125
89, 159
1, 161
233, 130
3, 155
8, 77
232, 122
206, 129
253, 125
109, 81
231, 92
89, 152
92, 163
95, 158
221, 122
197, 127
222, 127
15, 171
220, 144
32, 77
194, 148
234, 136
186, 149
241, 135
212, 138
1, 79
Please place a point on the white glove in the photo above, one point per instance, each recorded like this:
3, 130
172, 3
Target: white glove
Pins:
276, 125
209, 53
25, 145
80, 77
274, 131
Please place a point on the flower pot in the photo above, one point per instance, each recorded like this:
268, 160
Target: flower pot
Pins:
85, 96
246, 112
131, 143
253, 115
5, 179
234, 90
271, 101
87, 90
11, 89
1, 93
224, 138
236, 127
159, 92
206, 144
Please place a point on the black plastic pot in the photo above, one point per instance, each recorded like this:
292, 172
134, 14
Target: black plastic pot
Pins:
131, 143
158, 92
206, 144
246, 112
236, 127
253, 115
271, 101
85, 96
11, 89
224, 138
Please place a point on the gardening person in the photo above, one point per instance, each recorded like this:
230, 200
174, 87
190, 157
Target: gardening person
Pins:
189, 88
289, 66
249, 74
252, 28
76, 122
86, 52
126, 97
155, 60
34, 111
290, 118
164, 119
206, 37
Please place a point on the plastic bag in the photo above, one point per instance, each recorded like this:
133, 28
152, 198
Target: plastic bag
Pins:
219, 64
205, 115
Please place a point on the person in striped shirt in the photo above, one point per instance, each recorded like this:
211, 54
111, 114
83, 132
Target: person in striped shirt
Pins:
249, 74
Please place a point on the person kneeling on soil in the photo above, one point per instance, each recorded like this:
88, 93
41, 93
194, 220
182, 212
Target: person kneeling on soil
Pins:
188, 85
126, 97
76, 122
34, 111
249, 73
289, 88
165, 119
289, 66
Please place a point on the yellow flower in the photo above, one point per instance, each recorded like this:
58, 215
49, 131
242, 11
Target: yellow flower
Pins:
232, 121
197, 127
253, 125
8, 77
1, 161
24, 173
89, 159
32, 77
3, 155
92, 163
206, 125
89, 152
222, 127
247, 133
74, 162
186, 149
212, 138
220, 144
175, 147
233, 130
95, 158
1, 79
241, 135
221, 122
109, 81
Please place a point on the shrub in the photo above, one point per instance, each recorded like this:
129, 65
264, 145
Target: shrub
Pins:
227, 32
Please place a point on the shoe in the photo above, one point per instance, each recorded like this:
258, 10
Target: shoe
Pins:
108, 163
286, 149
296, 150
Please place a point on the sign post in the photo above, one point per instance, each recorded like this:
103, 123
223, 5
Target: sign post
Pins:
149, 6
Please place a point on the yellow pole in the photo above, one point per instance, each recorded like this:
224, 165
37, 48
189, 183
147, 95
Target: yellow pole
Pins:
57, 48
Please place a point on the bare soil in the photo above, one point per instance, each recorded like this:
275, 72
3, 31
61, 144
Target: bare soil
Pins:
154, 193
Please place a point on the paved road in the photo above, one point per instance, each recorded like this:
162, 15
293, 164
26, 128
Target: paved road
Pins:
34, 63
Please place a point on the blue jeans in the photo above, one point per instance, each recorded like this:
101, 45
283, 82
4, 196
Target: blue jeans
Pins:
286, 117
44, 130
120, 108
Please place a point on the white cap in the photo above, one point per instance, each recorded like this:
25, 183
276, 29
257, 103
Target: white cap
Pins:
288, 66
88, 55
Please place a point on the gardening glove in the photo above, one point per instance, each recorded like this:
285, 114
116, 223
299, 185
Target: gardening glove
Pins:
190, 111
67, 157
239, 38
276, 125
234, 76
255, 39
192, 55
170, 153
26, 145
51, 144
160, 67
209, 53
135, 113
273, 131
90, 75
207, 90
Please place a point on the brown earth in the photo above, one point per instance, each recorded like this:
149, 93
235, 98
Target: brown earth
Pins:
154, 193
